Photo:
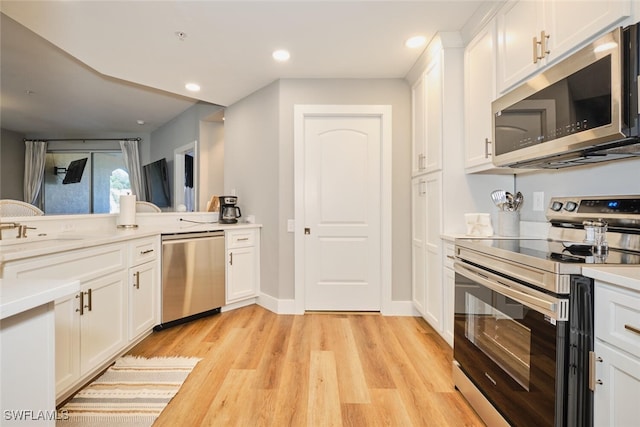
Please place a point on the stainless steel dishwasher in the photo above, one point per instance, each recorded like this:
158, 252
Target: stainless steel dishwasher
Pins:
193, 278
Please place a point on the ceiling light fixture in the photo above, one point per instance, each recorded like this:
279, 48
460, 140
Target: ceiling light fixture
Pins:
192, 87
415, 42
181, 35
140, 122
281, 55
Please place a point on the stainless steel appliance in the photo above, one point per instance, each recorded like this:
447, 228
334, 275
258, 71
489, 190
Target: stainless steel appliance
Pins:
193, 276
582, 110
229, 212
523, 330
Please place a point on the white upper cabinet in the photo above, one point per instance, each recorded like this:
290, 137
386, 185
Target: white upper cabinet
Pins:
479, 92
433, 110
531, 34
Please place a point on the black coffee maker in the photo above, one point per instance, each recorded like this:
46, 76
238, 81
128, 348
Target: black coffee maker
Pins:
229, 212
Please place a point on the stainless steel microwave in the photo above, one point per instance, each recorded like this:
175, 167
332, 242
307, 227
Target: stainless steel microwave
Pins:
581, 110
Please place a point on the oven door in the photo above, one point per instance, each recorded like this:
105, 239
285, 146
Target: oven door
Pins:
512, 342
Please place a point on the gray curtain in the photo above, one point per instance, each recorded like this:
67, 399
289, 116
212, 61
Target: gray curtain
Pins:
131, 155
34, 161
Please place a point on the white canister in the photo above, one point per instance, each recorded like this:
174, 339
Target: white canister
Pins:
509, 223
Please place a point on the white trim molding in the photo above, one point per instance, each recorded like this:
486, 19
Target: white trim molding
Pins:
384, 112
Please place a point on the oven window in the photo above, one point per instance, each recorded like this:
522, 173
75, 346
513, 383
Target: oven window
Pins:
497, 333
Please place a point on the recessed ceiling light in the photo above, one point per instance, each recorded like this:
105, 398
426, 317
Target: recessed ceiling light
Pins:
140, 122
281, 55
415, 42
193, 87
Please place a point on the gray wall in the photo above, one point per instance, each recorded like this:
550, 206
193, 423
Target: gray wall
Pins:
259, 166
181, 130
609, 178
11, 165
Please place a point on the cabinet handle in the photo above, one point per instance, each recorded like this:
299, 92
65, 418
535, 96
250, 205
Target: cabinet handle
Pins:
423, 188
148, 251
89, 294
592, 371
230, 258
535, 50
243, 239
632, 329
137, 276
486, 148
81, 309
544, 46
423, 161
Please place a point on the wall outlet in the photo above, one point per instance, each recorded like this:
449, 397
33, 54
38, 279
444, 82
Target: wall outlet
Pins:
538, 201
291, 225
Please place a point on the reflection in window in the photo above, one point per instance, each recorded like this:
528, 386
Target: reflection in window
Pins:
104, 179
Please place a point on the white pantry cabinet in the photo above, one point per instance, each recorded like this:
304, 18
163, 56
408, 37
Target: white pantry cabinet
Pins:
427, 116
617, 355
243, 264
532, 34
426, 248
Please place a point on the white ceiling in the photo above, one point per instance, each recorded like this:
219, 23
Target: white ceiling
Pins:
227, 50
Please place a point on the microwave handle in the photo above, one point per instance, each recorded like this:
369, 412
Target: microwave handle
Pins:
550, 308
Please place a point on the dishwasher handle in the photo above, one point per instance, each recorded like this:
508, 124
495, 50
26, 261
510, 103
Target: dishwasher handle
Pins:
189, 236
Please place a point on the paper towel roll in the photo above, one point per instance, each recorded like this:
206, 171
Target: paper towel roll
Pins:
127, 216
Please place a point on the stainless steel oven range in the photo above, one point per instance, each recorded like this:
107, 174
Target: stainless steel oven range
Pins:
523, 330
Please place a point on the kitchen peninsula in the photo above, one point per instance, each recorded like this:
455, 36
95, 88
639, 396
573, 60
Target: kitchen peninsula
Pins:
116, 272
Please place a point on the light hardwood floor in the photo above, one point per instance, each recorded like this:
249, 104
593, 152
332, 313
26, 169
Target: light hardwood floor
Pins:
320, 369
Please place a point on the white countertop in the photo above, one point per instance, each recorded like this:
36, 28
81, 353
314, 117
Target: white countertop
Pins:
625, 276
48, 243
20, 295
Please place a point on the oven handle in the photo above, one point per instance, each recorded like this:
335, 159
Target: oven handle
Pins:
555, 308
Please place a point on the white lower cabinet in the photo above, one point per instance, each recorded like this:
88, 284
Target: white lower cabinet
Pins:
617, 393
102, 320
448, 291
243, 264
143, 284
116, 305
617, 355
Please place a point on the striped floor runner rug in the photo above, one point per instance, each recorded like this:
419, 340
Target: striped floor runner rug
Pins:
132, 392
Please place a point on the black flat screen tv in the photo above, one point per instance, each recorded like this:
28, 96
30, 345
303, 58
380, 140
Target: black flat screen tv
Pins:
156, 182
75, 171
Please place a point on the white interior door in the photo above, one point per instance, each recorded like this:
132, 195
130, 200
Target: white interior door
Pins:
342, 189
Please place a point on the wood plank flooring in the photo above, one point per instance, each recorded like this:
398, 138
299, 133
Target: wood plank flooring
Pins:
336, 369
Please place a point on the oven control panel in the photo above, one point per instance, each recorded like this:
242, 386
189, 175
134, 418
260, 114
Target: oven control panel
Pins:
615, 209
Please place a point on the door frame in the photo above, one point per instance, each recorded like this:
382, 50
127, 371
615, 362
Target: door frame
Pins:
178, 174
301, 112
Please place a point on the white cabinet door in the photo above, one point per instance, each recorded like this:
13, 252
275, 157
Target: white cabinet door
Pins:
616, 398
103, 320
143, 282
479, 92
433, 294
433, 111
241, 273
518, 23
418, 137
559, 26
418, 248
67, 333
570, 25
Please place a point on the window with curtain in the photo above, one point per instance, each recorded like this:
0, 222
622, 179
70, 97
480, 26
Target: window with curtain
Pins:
103, 180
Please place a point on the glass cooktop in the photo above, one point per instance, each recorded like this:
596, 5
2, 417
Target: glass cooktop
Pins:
550, 250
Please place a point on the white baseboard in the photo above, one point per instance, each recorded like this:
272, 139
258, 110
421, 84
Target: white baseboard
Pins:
278, 306
288, 306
